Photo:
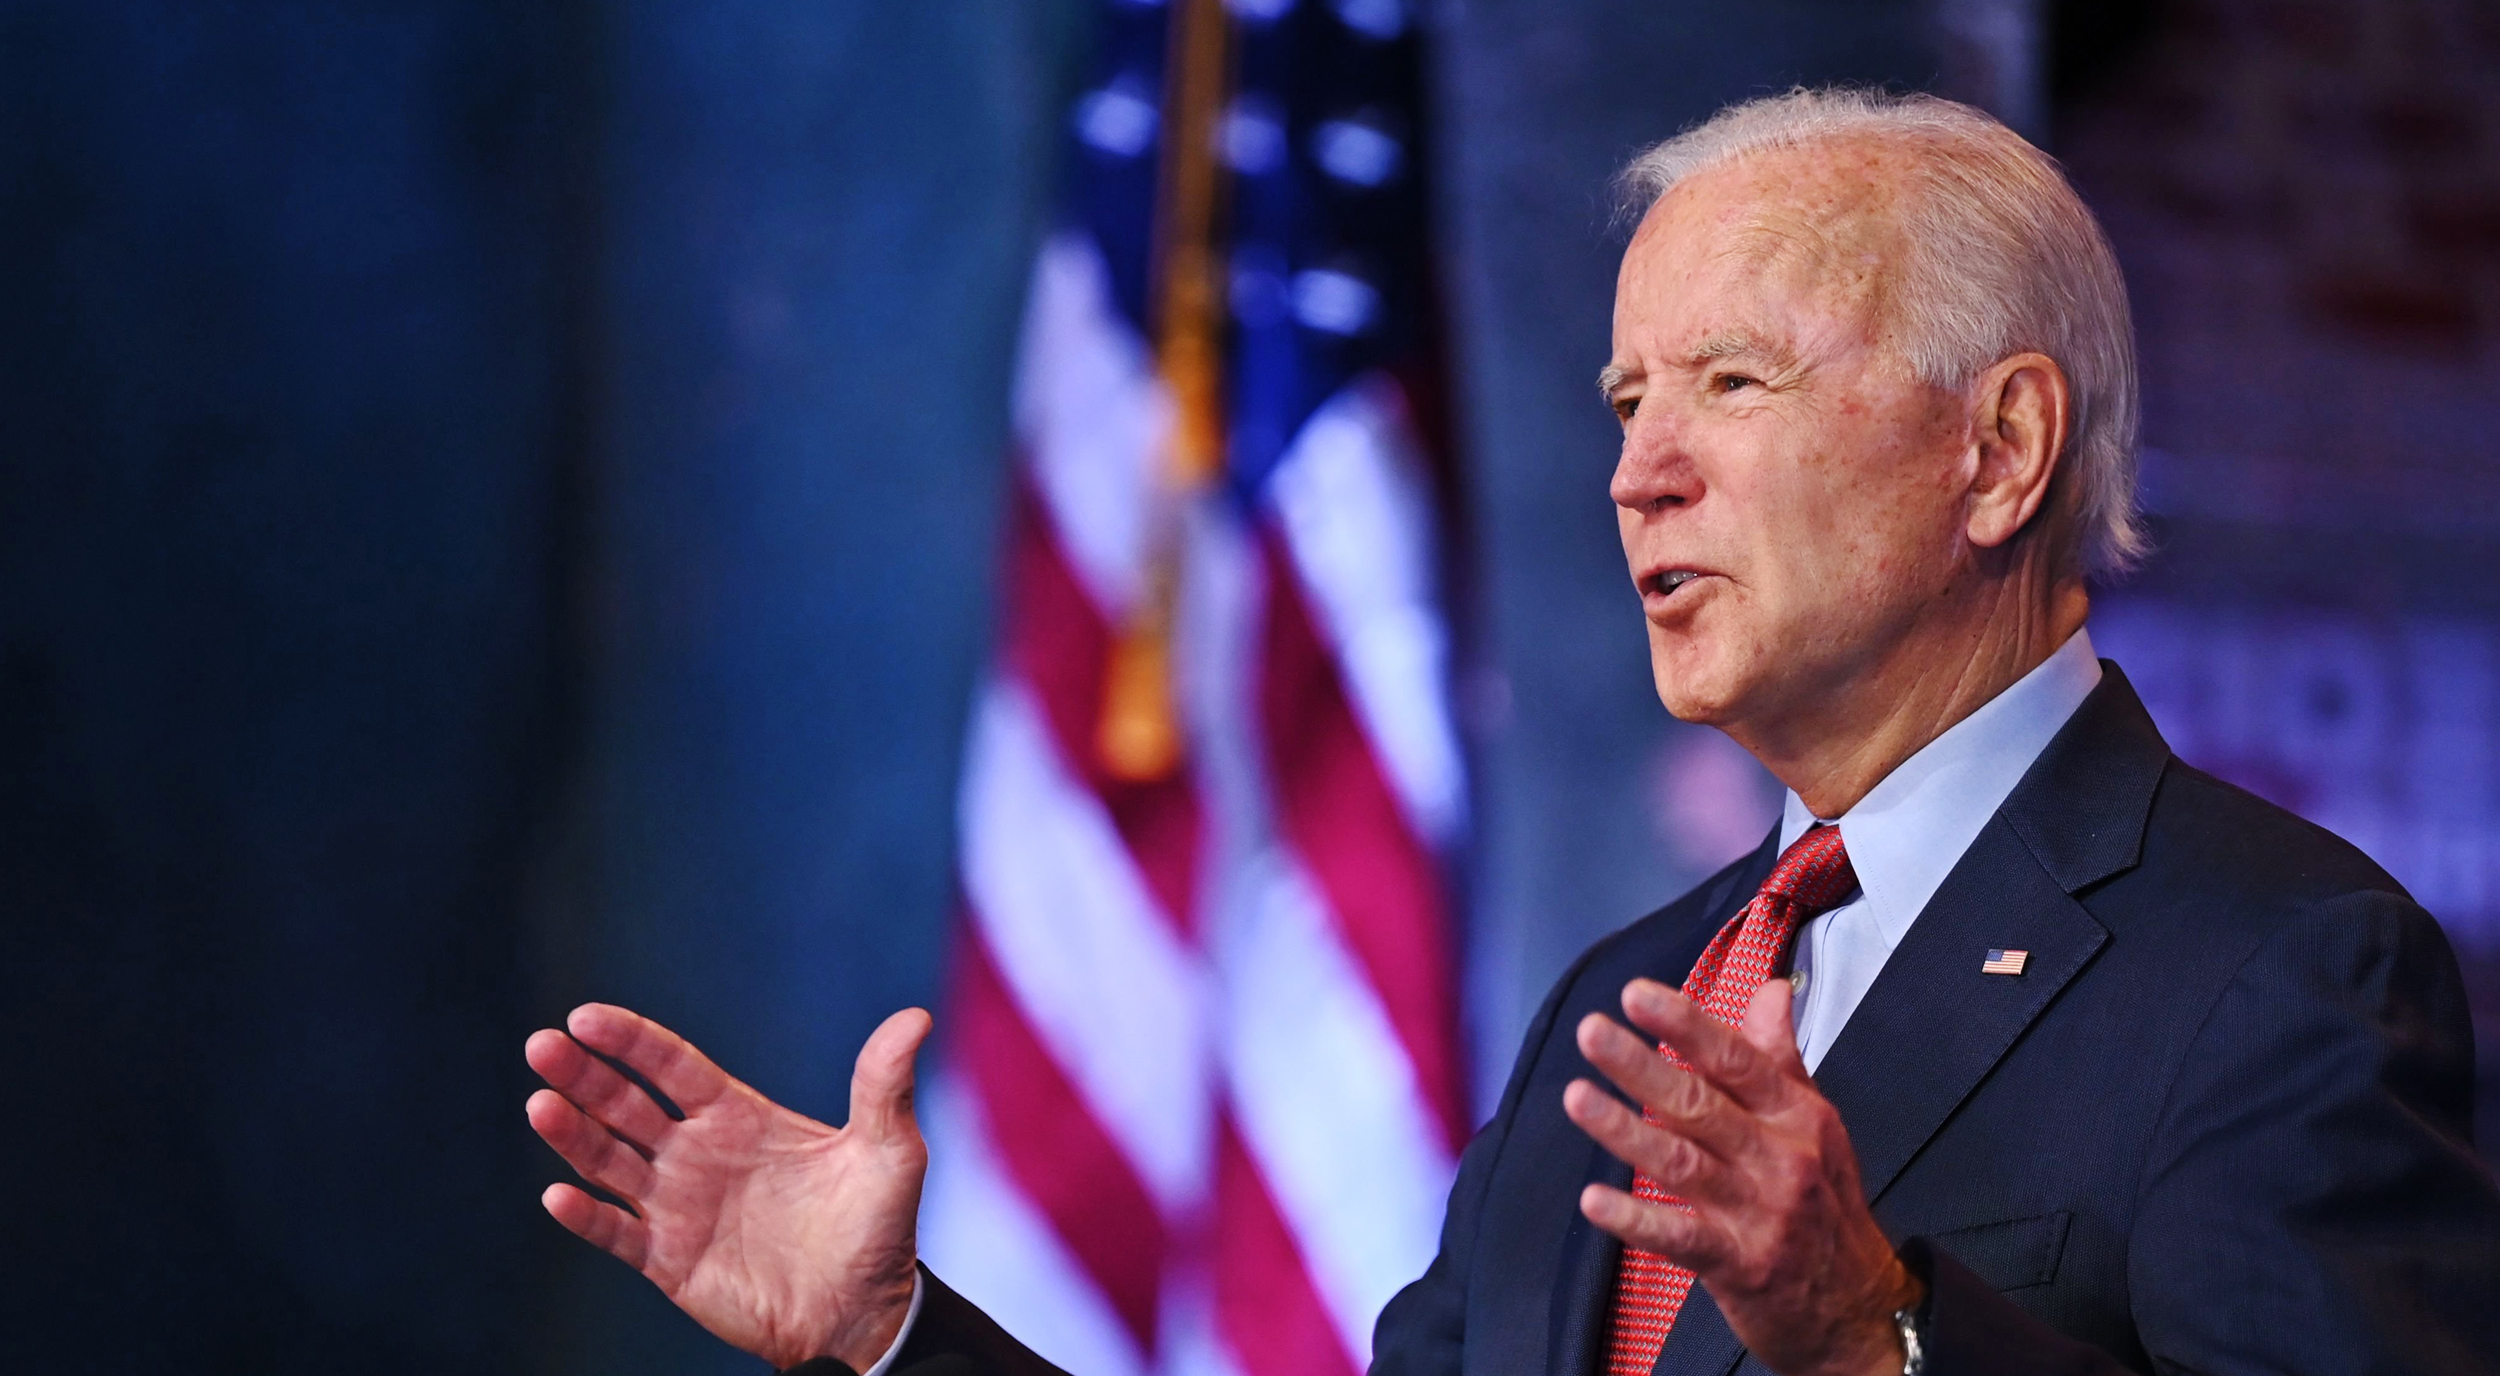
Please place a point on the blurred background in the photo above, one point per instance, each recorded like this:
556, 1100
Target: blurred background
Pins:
502, 504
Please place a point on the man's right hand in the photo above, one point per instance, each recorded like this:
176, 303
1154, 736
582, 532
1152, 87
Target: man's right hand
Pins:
783, 1236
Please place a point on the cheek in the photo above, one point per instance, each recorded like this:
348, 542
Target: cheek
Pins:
1804, 519
1844, 538
1907, 492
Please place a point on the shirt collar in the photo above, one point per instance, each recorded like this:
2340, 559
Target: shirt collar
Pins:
1910, 830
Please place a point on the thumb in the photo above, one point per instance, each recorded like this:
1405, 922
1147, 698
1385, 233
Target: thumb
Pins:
881, 1081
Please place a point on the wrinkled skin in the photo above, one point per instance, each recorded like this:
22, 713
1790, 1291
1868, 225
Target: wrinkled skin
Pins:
1777, 1224
1864, 571
786, 1238
1860, 586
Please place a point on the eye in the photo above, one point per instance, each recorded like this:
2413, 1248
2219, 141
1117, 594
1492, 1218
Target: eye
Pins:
1729, 382
1626, 408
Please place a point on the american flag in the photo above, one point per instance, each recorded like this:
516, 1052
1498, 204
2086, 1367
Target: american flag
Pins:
1201, 1097
2004, 962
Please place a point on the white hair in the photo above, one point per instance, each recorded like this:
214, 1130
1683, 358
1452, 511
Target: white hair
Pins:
2003, 258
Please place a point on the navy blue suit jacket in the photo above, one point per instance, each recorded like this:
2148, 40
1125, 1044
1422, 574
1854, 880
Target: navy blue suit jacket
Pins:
2220, 1123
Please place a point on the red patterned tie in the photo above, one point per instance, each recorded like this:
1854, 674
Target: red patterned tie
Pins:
1811, 875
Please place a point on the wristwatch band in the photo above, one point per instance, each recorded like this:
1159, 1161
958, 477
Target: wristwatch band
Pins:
1913, 1341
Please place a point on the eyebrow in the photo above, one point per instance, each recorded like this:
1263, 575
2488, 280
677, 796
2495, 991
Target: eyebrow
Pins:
1728, 345
1733, 344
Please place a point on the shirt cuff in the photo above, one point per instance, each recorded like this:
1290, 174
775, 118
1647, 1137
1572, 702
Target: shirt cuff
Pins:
910, 1317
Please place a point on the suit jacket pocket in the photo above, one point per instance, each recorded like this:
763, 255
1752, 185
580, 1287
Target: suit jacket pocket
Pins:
2013, 1254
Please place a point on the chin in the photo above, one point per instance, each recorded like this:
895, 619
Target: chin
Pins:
1694, 685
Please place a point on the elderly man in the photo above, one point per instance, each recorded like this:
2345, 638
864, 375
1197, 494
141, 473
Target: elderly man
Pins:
2084, 1061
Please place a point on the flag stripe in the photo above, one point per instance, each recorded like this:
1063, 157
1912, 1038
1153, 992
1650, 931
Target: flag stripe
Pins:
1266, 1310
1350, 500
1105, 981
1059, 645
978, 1229
1054, 1150
1091, 416
1325, 1102
1336, 809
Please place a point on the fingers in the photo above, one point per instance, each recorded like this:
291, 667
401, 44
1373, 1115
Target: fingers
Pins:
881, 1081
1680, 1235
1668, 1156
593, 1085
1770, 1027
589, 1148
604, 1226
1716, 1052
668, 1061
1676, 1096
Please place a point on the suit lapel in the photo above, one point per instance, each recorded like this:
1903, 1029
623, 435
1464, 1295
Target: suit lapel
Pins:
1586, 1279
1701, 1344
1584, 1284
1933, 1025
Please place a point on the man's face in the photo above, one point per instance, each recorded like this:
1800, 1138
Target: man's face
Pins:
1789, 495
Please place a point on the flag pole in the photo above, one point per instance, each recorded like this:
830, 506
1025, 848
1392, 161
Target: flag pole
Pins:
1139, 738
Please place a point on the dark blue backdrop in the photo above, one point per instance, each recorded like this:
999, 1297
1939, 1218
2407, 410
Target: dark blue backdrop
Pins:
496, 509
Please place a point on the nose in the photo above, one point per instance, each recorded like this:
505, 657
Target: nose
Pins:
1655, 471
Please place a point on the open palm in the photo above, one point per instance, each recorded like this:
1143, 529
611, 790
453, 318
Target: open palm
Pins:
785, 1237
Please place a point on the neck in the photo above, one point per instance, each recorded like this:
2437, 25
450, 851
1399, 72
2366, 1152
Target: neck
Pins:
1835, 750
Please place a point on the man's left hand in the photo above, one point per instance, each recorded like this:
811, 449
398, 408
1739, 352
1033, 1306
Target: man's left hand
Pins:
1774, 1221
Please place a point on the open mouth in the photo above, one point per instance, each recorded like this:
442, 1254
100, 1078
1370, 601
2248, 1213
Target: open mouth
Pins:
1665, 584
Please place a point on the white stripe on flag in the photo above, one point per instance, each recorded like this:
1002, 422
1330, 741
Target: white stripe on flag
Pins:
977, 1231
1350, 499
1327, 1101
1092, 416
1187, 1329
1098, 969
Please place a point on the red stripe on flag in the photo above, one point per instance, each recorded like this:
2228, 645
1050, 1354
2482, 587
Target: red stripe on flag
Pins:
1265, 1306
1383, 886
1053, 1149
1058, 643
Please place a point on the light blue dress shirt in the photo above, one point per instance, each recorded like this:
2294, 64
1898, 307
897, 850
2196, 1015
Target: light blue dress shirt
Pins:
1911, 829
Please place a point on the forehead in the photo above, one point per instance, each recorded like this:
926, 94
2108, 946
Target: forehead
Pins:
1812, 229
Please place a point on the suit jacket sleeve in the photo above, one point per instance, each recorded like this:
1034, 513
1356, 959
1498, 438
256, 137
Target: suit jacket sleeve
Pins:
951, 1337
1423, 1329
2311, 1200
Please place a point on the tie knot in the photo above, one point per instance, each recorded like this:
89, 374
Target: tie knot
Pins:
1813, 873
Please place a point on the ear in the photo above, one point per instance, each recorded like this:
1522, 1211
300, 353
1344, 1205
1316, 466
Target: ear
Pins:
2021, 409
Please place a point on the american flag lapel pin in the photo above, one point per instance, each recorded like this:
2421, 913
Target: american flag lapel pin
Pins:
2003, 962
